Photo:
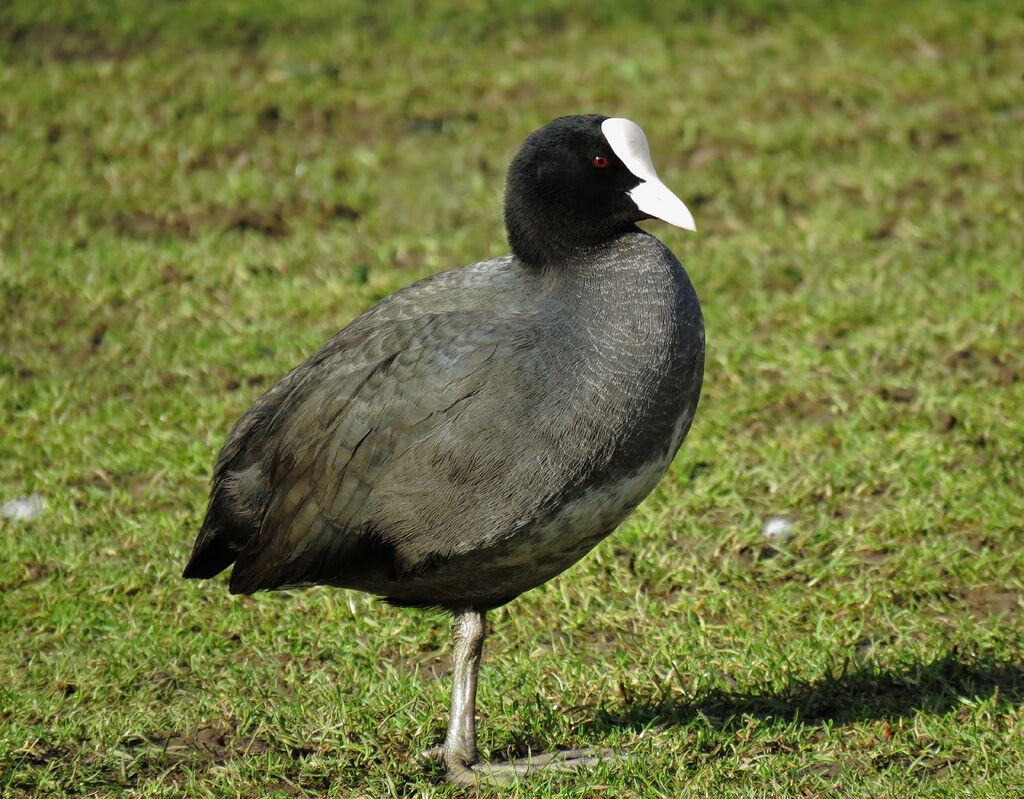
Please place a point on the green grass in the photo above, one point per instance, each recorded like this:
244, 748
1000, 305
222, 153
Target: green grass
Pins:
192, 199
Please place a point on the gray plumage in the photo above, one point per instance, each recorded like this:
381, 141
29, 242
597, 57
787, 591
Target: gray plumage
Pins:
469, 437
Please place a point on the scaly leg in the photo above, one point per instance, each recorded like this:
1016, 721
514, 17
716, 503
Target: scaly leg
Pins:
459, 749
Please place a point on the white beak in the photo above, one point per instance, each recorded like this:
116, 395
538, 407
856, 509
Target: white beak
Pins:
653, 197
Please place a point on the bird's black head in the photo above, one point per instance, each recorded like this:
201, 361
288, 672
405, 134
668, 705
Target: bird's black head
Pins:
578, 182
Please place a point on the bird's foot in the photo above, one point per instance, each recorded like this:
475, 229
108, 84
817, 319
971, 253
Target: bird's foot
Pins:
506, 771
434, 754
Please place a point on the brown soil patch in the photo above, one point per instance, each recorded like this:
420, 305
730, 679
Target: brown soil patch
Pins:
32, 572
218, 743
274, 222
988, 601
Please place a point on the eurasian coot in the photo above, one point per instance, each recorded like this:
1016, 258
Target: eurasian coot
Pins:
476, 433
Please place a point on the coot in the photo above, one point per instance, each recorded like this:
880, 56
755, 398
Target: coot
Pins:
476, 433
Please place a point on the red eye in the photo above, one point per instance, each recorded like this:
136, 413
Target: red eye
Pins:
600, 161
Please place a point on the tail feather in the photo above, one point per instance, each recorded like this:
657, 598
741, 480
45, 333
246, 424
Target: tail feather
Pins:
210, 556
219, 541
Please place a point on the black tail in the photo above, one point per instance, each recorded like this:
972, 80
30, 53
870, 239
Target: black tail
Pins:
216, 546
209, 559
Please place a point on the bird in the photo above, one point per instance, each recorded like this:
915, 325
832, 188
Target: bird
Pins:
477, 432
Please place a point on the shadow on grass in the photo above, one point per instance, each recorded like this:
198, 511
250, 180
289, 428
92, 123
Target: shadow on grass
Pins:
854, 694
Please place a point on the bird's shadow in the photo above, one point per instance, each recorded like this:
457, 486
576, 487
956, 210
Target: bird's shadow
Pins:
852, 693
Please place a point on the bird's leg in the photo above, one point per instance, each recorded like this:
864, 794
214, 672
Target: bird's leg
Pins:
459, 749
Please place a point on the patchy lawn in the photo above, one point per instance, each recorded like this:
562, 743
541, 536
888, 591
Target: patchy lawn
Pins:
823, 598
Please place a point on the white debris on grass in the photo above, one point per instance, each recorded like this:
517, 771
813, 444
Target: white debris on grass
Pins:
23, 509
777, 529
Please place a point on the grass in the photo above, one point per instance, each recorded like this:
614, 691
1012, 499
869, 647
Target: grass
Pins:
193, 198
